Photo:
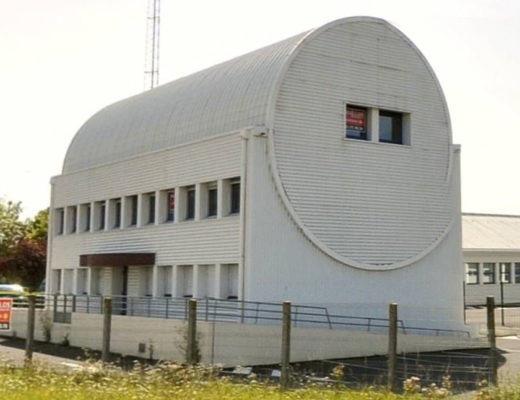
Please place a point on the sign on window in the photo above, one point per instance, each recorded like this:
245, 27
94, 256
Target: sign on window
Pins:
6, 306
356, 119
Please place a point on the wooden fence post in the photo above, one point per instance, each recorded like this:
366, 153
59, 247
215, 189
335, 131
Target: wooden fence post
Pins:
286, 345
392, 347
107, 326
29, 339
493, 365
191, 345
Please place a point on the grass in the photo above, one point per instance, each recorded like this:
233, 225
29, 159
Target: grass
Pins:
172, 381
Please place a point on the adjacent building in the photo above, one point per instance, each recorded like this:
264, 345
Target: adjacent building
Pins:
491, 247
319, 169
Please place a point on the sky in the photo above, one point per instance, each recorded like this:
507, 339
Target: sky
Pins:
64, 60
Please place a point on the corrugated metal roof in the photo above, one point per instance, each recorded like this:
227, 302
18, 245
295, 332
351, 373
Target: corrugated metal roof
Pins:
225, 97
490, 232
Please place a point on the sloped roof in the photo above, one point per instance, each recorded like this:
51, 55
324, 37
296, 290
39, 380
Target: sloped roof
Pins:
490, 232
220, 99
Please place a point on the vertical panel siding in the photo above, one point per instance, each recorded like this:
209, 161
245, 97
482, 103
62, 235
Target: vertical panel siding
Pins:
372, 202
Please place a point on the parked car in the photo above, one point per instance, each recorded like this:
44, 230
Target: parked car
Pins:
13, 291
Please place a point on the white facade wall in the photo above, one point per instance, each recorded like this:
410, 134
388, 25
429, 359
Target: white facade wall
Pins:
283, 264
204, 241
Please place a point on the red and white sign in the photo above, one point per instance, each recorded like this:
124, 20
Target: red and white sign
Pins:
6, 306
356, 119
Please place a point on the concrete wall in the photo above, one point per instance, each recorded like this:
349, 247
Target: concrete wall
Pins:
232, 344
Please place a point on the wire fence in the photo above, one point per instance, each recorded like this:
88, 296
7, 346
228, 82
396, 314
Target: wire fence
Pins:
465, 368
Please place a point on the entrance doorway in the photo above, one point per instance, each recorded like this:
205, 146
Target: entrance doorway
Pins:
120, 289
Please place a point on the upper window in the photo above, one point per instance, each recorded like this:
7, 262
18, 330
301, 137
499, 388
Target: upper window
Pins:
390, 127
61, 221
151, 208
235, 196
212, 202
170, 198
133, 210
356, 123
190, 202
117, 213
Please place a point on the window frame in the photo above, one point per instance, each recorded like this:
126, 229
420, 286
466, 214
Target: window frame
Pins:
476, 275
493, 279
396, 125
234, 196
357, 134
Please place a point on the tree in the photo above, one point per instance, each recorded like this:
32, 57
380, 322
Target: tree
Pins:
12, 229
23, 246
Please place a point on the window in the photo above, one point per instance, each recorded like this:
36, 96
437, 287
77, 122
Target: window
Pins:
102, 212
151, 208
505, 272
488, 272
133, 210
517, 272
72, 219
170, 206
190, 202
472, 277
212, 202
117, 213
390, 127
356, 123
87, 216
61, 220
235, 196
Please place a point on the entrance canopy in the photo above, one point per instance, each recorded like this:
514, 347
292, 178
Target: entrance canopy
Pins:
116, 259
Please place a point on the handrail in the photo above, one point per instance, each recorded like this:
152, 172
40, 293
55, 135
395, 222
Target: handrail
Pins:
226, 310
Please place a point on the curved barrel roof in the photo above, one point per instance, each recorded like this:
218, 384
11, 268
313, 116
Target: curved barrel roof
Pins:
219, 99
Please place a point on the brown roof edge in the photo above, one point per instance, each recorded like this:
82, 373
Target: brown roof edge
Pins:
116, 259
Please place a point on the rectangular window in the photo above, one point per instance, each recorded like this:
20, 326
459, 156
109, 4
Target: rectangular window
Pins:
517, 272
102, 212
190, 202
117, 213
488, 272
235, 196
151, 209
61, 220
472, 277
170, 206
390, 127
87, 216
356, 122
133, 210
73, 219
505, 272
212, 202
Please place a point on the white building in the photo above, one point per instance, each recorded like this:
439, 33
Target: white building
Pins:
491, 248
319, 169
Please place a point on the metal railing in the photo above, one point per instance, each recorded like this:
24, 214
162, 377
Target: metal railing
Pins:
221, 310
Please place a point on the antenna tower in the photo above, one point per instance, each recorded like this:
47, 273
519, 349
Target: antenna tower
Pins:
151, 67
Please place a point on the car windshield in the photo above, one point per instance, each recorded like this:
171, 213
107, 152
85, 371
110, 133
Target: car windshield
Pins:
11, 288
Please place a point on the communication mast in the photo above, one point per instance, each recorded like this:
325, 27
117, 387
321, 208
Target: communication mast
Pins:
151, 67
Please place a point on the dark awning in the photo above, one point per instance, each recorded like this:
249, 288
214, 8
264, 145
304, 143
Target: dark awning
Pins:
116, 259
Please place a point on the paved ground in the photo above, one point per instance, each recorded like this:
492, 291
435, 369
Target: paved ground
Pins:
14, 350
